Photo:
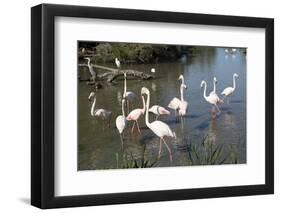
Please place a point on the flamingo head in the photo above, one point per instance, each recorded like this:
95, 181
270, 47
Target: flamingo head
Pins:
202, 83
144, 90
215, 80
88, 59
236, 75
184, 86
181, 77
116, 60
92, 94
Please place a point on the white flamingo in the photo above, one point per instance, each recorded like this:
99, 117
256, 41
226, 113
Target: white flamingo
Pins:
214, 93
91, 69
158, 110
117, 62
102, 113
229, 90
211, 98
128, 95
135, 114
158, 127
179, 105
121, 122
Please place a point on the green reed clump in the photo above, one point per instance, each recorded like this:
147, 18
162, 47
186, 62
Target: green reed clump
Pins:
208, 153
129, 161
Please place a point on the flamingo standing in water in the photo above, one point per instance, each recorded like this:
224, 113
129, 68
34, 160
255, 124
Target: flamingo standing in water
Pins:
117, 62
121, 122
102, 113
159, 128
128, 95
158, 110
179, 105
135, 114
211, 98
213, 93
229, 90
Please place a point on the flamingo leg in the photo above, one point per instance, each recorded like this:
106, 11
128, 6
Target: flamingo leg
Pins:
138, 126
218, 110
122, 143
133, 127
156, 118
171, 157
213, 112
160, 148
128, 107
109, 121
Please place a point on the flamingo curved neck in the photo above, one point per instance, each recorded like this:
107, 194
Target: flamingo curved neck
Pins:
147, 107
93, 107
125, 87
143, 104
181, 91
234, 84
205, 88
123, 111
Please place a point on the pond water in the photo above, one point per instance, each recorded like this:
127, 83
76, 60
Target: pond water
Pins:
99, 147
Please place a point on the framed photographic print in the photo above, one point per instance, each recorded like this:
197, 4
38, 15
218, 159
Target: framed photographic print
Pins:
140, 106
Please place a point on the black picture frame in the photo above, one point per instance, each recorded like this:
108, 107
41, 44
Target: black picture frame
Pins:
43, 102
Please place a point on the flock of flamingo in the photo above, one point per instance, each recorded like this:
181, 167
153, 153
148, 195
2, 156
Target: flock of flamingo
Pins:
159, 128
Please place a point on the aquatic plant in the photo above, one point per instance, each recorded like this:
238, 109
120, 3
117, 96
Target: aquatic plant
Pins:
209, 153
130, 161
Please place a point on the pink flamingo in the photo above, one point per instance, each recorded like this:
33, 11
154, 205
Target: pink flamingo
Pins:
211, 98
102, 113
230, 90
179, 105
158, 110
121, 122
135, 114
159, 128
128, 95
213, 93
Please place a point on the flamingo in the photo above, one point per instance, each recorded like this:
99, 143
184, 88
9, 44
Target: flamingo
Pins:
103, 113
213, 93
179, 105
121, 122
159, 128
229, 90
158, 110
91, 69
117, 62
211, 98
128, 95
135, 114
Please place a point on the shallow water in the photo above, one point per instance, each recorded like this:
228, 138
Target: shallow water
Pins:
99, 146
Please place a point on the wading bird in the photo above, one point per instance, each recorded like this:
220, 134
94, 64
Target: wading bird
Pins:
91, 69
213, 93
102, 113
135, 114
229, 90
121, 122
210, 99
158, 110
158, 127
117, 62
179, 105
128, 95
